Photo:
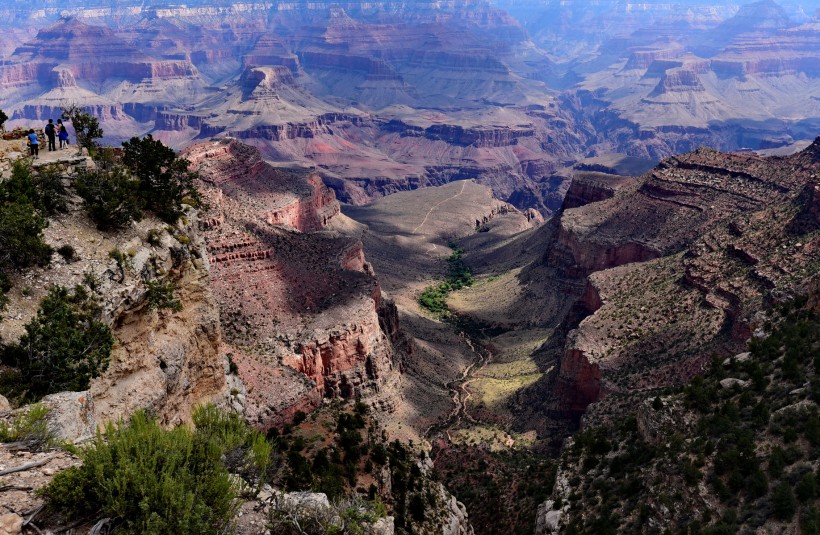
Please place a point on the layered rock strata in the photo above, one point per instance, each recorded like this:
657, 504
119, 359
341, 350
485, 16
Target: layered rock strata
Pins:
300, 306
678, 264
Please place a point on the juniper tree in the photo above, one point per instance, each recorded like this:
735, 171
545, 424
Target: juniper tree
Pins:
86, 128
165, 180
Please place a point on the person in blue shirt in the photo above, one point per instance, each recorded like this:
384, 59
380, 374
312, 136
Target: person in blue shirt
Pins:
33, 144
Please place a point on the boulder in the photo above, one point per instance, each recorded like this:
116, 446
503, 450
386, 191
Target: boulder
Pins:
740, 357
382, 526
71, 416
731, 382
11, 524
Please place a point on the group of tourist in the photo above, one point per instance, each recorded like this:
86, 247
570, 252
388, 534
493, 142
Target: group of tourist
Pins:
52, 132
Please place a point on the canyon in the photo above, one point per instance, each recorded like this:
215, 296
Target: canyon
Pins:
575, 161
379, 98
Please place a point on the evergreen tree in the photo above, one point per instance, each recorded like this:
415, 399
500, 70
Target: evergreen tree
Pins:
65, 345
111, 197
86, 128
165, 180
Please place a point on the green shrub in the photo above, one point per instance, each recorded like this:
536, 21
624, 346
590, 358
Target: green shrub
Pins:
65, 345
154, 237
42, 188
67, 252
21, 236
806, 488
784, 504
160, 295
91, 281
3, 119
5, 286
810, 521
29, 427
434, 298
49, 182
149, 481
111, 197
246, 452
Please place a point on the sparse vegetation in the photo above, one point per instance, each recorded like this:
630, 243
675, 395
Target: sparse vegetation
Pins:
160, 295
3, 119
755, 447
154, 237
348, 516
28, 428
338, 451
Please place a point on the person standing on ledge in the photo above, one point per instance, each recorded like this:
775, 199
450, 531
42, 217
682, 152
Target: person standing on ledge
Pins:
50, 134
33, 144
62, 133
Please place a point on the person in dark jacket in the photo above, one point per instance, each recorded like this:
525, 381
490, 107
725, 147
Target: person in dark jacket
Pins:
51, 134
33, 144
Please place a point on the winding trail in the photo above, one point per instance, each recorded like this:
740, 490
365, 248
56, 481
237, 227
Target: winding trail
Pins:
430, 211
459, 391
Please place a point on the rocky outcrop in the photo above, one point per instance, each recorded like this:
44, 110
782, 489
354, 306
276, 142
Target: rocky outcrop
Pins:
456, 521
575, 256
578, 384
678, 80
707, 275
295, 302
643, 59
458, 135
166, 362
587, 188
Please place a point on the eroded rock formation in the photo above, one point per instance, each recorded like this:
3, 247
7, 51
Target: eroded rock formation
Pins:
164, 361
677, 265
294, 296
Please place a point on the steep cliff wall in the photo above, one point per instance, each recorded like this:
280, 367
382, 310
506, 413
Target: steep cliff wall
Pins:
294, 298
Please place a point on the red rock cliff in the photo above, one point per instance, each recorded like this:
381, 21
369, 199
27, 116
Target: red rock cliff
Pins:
291, 298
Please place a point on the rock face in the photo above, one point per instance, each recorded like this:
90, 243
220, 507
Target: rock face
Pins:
60, 65
586, 188
677, 264
166, 362
301, 308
